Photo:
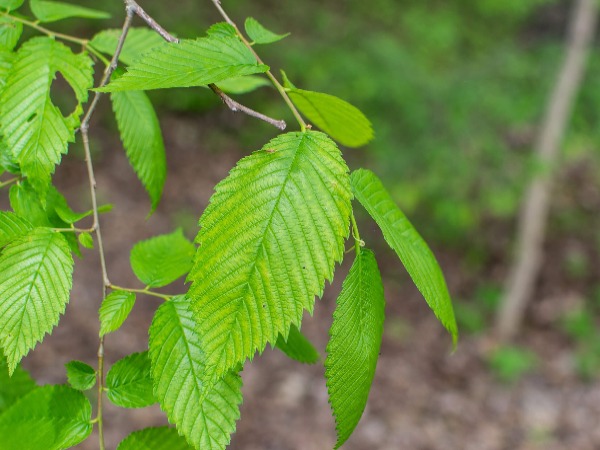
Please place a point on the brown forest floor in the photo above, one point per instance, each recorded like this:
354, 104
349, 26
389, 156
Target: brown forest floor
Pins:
423, 397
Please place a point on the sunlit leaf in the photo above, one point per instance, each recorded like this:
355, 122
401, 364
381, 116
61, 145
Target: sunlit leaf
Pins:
129, 383
259, 34
114, 310
51, 11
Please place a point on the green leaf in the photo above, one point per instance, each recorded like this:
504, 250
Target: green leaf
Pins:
47, 418
7, 58
160, 260
13, 387
162, 438
10, 5
298, 347
189, 63
142, 139
205, 418
12, 226
59, 211
242, 85
221, 29
342, 121
353, 349
86, 240
129, 383
408, 245
10, 32
259, 34
50, 11
114, 310
268, 241
33, 127
81, 376
26, 202
36, 274
138, 41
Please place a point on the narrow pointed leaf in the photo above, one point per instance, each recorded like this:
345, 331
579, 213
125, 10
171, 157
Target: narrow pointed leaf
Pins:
47, 418
51, 11
12, 226
353, 349
259, 34
162, 438
205, 418
11, 5
189, 63
114, 310
129, 383
339, 119
80, 375
142, 139
298, 347
33, 127
10, 32
13, 387
292, 201
36, 272
410, 247
138, 42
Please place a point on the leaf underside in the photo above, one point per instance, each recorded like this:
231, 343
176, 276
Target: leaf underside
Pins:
189, 63
205, 418
36, 272
160, 438
298, 347
353, 349
292, 201
410, 247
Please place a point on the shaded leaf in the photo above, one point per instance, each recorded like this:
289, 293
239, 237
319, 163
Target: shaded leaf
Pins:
47, 418
129, 383
292, 201
298, 347
242, 85
10, 32
160, 260
353, 349
51, 11
205, 418
80, 375
259, 34
188, 63
161, 438
13, 387
138, 41
11, 5
114, 310
410, 247
36, 272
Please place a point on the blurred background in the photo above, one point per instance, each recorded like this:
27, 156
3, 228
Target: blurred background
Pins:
456, 92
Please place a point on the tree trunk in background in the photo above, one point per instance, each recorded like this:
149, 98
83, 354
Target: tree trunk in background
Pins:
534, 213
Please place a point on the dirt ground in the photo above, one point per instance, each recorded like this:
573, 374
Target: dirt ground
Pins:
423, 398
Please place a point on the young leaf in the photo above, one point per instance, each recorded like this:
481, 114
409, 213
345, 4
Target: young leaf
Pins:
138, 41
189, 63
129, 383
221, 29
10, 5
298, 347
36, 274
259, 34
408, 245
160, 260
205, 418
34, 128
242, 85
142, 139
268, 241
13, 387
114, 310
10, 32
86, 240
353, 349
51, 11
12, 226
162, 438
342, 121
81, 376
47, 418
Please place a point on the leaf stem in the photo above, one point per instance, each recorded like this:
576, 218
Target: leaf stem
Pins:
146, 291
358, 242
269, 74
74, 230
9, 182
